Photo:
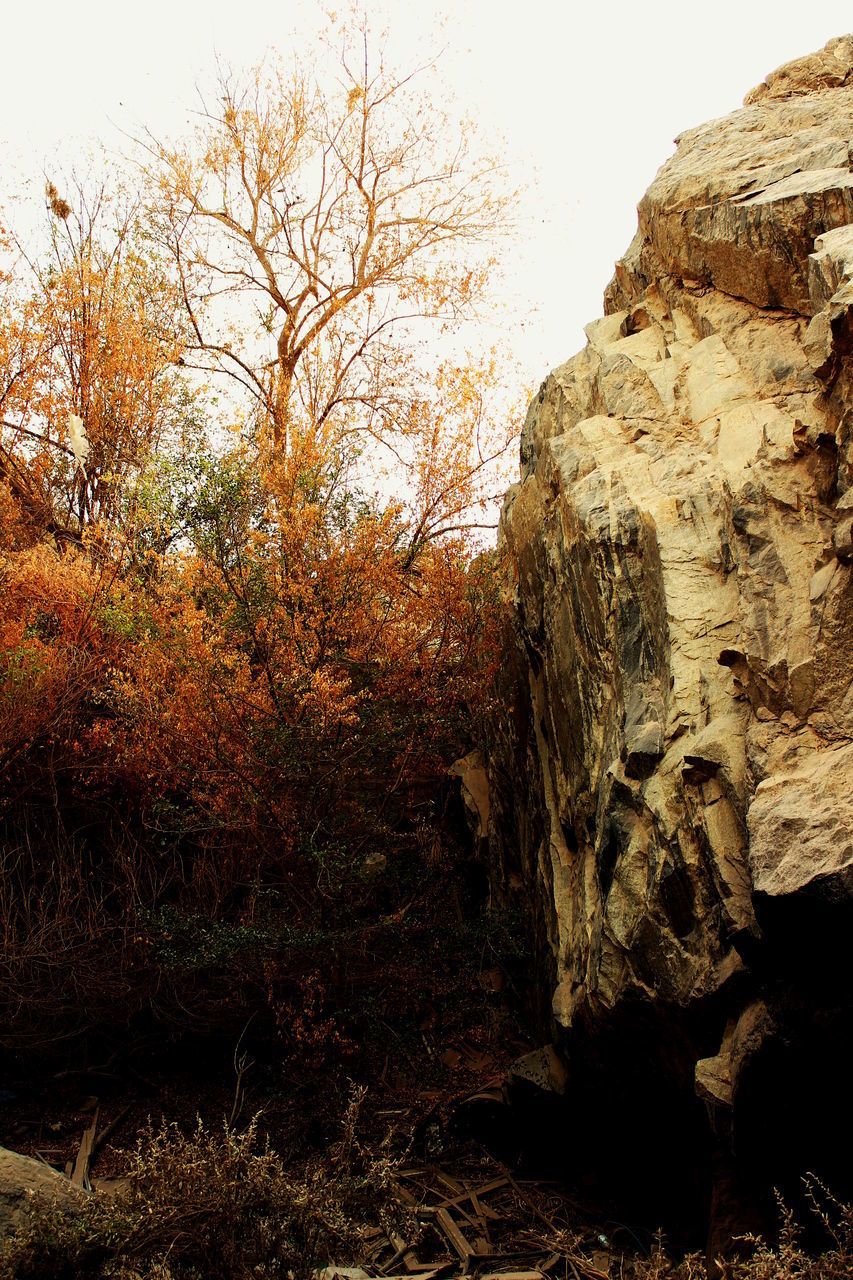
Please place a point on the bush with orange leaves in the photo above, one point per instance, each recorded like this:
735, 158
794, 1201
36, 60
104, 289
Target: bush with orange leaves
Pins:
183, 738
236, 640
57, 653
303, 700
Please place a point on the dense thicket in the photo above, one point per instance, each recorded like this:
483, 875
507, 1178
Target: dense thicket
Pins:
245, 610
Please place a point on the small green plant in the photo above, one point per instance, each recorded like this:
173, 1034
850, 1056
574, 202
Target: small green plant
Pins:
186, 941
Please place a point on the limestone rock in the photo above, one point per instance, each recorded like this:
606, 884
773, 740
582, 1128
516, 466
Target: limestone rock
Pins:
842, 539
677, 757
717, 1078
829, 68
801, 828
543, 1068
474, 787
740, 204
23, 1181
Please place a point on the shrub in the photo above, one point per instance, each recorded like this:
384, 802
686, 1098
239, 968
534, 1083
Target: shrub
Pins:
788, 1259
207, 1204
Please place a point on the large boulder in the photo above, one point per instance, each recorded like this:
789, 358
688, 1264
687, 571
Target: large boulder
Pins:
25, 1183
671, 772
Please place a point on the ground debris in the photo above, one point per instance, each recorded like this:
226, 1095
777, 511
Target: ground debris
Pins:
483, 1222
80, 1172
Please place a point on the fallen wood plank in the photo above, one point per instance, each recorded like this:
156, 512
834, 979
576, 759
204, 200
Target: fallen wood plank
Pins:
427, 1271
452, 1233
458, 1201
388, 1267
109, 1129
456, 1187
490, 1213
478, 1212
80, 1174
505, 1255
463, 1213
511, 1275
404, 1194
403, 1252
494, 1185
426, 1274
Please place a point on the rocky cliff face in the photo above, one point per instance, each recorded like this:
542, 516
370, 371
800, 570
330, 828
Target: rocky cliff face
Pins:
672, 780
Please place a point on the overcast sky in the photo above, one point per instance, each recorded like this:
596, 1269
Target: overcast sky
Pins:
586, 98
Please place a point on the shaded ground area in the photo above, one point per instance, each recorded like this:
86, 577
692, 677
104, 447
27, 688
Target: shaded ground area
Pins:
409, 990
403, 991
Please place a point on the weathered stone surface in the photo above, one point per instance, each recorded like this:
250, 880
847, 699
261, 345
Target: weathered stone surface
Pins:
716, 1077
742, 201
543, 1068
23, 1181
829, 68
842, 539
801, 828
680, 665
474, 788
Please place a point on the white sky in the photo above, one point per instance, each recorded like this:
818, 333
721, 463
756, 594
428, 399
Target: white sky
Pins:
587, 98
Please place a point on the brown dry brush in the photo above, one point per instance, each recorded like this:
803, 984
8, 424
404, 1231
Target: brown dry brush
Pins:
97, 946
818, 1247
106, 854
76, 953
81, 953
215, 1203
225, 1204
67, 944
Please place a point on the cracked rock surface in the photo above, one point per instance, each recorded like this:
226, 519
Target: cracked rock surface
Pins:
671, 773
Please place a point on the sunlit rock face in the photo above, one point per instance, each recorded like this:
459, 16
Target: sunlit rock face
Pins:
672, 771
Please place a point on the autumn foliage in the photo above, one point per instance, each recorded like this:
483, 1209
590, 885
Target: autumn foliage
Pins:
247, 610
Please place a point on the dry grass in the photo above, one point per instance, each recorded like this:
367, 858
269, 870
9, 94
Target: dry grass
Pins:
214, 1204
224, 1204
787, 1259
68, 951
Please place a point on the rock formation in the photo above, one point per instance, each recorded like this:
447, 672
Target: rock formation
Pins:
25, 1182
672, 772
